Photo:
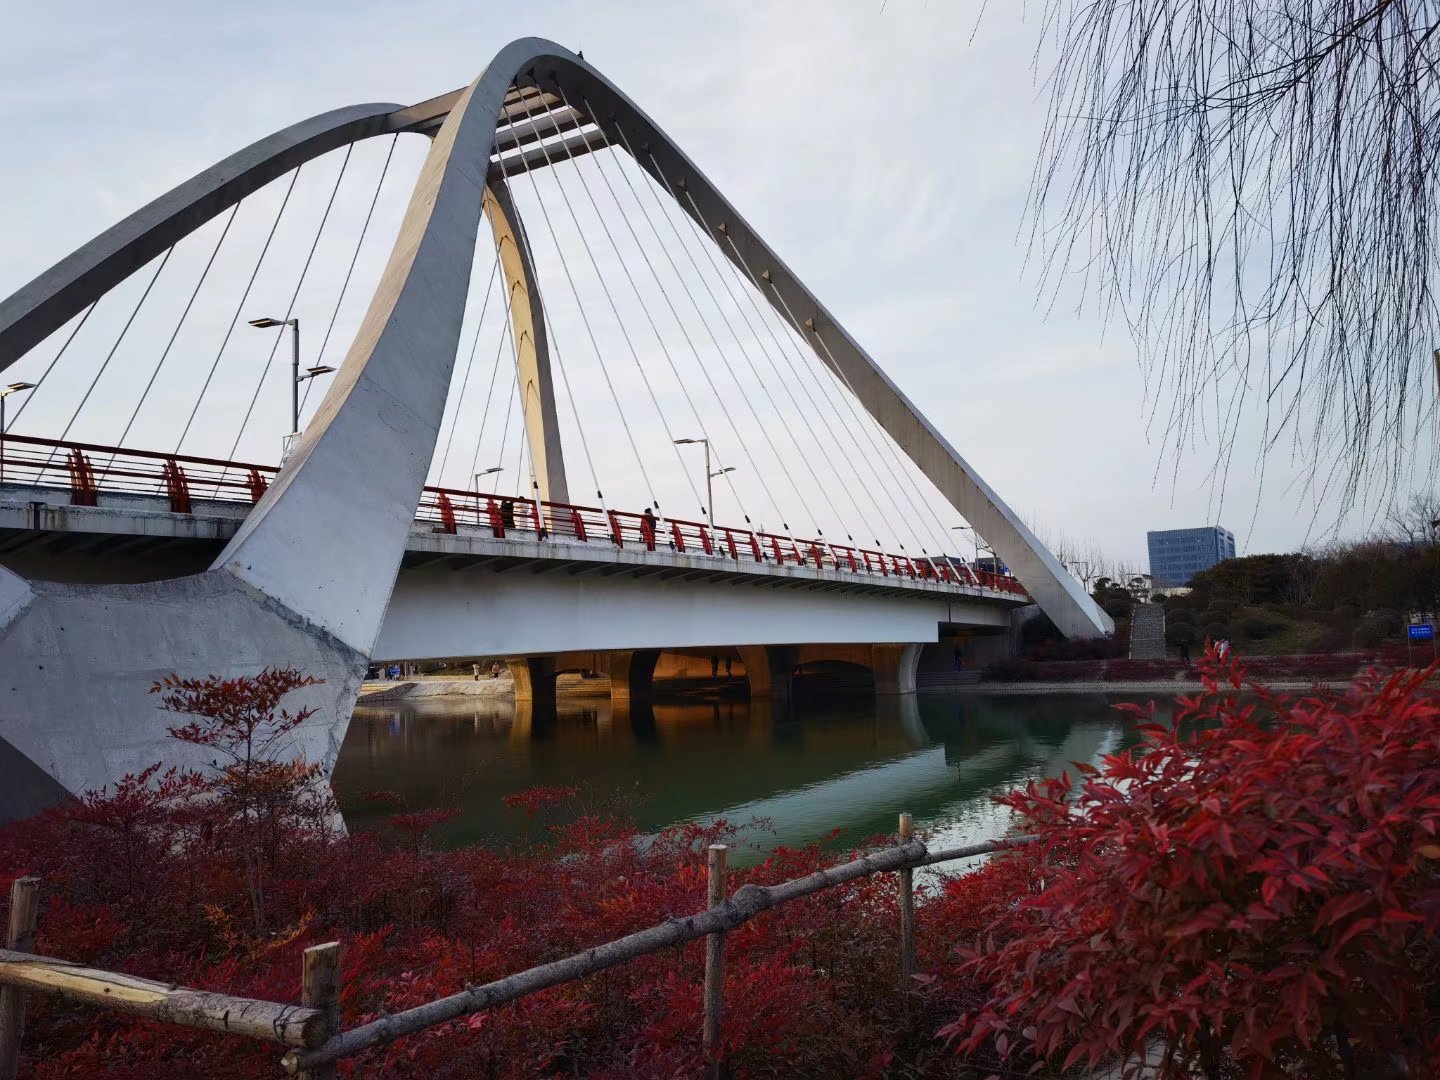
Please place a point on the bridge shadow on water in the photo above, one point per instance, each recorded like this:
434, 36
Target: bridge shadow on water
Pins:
831, 760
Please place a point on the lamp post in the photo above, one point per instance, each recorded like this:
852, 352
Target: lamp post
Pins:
709, 478
13, 388
295, 377
483, 472
975, 535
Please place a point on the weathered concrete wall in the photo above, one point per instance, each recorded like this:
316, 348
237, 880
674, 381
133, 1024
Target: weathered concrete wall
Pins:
77, 663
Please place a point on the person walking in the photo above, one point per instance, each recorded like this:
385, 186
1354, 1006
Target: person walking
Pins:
507, 513
714, 665
650, 534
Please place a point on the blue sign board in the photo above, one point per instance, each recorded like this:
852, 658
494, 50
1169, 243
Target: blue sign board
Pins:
1422, 632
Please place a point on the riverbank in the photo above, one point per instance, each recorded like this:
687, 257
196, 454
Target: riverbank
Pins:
1150, 686
502, 687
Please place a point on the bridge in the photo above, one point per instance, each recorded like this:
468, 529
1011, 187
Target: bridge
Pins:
122, 560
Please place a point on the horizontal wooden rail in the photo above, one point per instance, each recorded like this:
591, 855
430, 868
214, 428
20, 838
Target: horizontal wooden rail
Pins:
289, 1025
743, 906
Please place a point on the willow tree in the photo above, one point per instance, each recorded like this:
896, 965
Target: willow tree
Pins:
1250, 185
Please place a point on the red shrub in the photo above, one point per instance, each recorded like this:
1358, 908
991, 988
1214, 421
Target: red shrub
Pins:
1260, 895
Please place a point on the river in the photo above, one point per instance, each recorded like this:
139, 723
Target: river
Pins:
805, 770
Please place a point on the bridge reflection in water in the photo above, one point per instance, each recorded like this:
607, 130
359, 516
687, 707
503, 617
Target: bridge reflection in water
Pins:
808, 768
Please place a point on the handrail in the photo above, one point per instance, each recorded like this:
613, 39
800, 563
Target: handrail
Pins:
451, 507
312, 1033
746, 904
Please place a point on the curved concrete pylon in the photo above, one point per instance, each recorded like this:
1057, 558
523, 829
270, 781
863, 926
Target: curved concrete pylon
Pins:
531, 345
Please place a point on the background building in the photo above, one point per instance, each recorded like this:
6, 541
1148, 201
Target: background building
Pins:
1176, 555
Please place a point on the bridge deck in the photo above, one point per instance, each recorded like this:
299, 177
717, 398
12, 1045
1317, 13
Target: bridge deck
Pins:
63, 502
40, 526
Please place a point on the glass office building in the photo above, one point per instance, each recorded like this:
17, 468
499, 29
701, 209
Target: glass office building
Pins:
1177, 555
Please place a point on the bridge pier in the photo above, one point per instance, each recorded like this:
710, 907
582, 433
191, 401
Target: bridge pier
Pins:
894, 668
534, 678
768, 668
632, 674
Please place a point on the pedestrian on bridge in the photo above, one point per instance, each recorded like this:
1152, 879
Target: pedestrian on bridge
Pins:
714, 665
507, 513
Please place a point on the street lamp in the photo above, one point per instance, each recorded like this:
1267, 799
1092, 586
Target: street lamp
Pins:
486, 472
13, 388
295, 377
975, 534
709, 477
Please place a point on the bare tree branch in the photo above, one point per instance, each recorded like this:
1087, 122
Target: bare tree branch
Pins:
1248, 185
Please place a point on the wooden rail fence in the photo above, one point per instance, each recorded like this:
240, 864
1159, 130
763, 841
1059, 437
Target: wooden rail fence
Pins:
311, 1031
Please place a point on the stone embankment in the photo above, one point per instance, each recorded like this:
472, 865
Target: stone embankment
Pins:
454, 686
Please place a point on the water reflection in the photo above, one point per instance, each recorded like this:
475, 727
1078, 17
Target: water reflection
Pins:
810, 769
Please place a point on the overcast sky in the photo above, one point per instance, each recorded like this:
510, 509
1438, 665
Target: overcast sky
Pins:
885, 154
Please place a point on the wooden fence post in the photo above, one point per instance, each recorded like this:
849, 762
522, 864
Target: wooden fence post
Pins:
320, 989
907, 905
24, 914
715, 960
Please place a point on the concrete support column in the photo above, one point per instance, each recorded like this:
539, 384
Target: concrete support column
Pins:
768, 668
632, 674
534, 678
894, 667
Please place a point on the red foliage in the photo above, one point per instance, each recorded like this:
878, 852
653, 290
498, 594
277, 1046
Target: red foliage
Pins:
532, 800
1259, 897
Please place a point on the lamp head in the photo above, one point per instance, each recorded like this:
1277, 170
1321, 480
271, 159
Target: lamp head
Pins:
267, 322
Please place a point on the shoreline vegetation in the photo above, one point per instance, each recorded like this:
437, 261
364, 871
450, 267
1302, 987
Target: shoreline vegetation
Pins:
1253, 891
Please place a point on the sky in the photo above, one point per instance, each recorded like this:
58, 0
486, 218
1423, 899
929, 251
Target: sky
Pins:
883, 150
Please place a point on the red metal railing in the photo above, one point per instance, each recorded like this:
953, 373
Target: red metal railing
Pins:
89, 469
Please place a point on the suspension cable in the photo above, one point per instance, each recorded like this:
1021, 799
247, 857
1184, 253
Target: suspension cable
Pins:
465, 382
183, 316
784, 382
680, 379
585, 319
240, 307
755, 280
918, 505
705, 322
115, 348
354, 258
55, 359
552, 342
290, 307
489, 394
750, 294
614, 310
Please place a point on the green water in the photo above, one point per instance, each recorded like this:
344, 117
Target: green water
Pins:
807, 769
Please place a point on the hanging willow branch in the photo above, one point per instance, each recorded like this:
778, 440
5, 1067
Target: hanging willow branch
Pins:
1250, 185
